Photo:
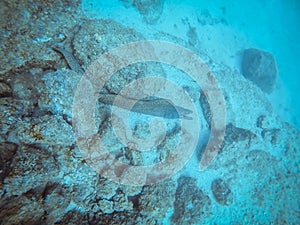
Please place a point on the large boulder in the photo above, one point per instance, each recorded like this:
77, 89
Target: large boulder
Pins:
260, 67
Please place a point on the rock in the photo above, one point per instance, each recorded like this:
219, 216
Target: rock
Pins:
260, 160
11, 112
7, 152
260, 67
39, 205
150, 9
22, 210
235, 134
121, 203
131, 190
73, 217
44, 180
29, 168
106, 189
204, 17
271, 135
222, 192
130, 155
191, 203
24, 87
156, 199
57, 200
57, 91
121, 218
28, 30
46, 130
5, 90
192, 36
113, 34
106, 206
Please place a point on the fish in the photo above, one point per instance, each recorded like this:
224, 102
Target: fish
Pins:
70, 59
155, 107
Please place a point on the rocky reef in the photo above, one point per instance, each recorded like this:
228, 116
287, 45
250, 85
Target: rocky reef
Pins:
46, 180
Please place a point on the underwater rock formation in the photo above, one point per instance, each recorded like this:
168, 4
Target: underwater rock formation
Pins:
99, 36
156, 200
260, 67
35, 24
150, 9
191, 203
221, 192
5, 90
45, 180
7, 152
235, 134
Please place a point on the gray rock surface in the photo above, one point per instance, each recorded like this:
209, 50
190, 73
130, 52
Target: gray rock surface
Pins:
151, 10
31, 167
11, 112
35, 25
98, 36
260, 67
43, 130
7, 152
221, 192
191, 203
5, 90
234, 134
24, 86
156, 200
56, 92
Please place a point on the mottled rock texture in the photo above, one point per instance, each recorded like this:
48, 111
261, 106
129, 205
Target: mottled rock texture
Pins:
260, 67
191, 203
151, 10
221, 192
27, 27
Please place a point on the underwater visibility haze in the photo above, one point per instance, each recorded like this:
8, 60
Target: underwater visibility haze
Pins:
149, 112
